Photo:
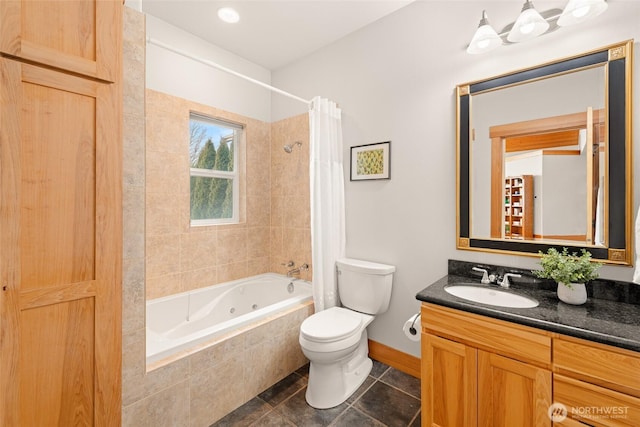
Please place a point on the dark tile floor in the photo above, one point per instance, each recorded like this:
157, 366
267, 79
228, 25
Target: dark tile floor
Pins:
388, 397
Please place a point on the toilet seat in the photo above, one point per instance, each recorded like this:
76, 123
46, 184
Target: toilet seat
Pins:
333, 324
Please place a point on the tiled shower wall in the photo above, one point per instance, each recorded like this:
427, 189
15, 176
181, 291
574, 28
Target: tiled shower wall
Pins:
180, 257
198, 389
274, 220
290, 201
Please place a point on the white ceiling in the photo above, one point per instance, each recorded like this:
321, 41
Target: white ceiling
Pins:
272, 33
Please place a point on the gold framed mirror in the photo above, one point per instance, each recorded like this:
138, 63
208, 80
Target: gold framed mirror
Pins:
544, 158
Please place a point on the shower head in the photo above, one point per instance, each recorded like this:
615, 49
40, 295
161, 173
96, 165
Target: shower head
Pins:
289, 147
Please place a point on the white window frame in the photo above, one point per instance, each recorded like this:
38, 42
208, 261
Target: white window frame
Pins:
234, 176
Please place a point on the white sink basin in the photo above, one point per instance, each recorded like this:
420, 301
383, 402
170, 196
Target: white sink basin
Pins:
491, 296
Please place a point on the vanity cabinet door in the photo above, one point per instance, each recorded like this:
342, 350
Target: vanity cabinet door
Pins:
449, 386
512, 393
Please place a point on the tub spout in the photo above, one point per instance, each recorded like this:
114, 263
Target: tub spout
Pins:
297, 271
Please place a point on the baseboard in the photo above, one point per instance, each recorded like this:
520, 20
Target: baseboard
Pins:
390, 356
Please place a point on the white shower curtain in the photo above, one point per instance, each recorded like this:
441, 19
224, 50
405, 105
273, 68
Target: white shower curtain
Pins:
327, 199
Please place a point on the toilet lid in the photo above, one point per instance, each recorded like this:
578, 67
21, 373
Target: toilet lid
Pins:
332, 324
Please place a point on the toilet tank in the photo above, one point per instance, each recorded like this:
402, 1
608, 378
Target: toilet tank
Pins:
364, 286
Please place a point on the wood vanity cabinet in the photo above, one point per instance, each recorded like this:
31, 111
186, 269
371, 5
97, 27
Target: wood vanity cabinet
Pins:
482, 371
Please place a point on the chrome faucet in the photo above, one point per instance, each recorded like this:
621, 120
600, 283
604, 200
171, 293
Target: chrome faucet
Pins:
485, 275
293, 271
505, 280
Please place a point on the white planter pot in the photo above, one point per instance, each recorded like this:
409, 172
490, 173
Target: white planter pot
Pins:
576, 294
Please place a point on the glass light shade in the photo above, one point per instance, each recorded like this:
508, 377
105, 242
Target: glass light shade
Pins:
577, 11
485, 37
529, 24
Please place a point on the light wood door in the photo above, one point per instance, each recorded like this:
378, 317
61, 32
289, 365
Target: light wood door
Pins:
76, 35
449, 385
60, 250
512, 393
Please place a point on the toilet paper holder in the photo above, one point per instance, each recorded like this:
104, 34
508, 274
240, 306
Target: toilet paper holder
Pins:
412, 329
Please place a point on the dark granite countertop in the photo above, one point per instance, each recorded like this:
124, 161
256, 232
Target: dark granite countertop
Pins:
600, 320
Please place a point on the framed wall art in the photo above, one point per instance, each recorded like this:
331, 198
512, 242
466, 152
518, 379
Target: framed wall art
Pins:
371, 161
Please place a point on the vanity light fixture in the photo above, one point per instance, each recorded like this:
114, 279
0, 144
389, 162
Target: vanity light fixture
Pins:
485, 38
577, 11
229, 15
531, 23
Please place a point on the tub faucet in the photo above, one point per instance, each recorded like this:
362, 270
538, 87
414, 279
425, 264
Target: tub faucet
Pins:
293, 271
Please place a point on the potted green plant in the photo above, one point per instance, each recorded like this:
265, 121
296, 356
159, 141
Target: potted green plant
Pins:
570, 271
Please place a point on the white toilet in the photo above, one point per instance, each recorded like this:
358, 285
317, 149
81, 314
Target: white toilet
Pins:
335, 340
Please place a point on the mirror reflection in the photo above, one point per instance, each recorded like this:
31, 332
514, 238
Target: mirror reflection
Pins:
544, 158
538, 154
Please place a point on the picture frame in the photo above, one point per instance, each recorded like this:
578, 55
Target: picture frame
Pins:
371, 161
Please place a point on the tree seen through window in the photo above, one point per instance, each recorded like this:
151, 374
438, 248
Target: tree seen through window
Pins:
213, 175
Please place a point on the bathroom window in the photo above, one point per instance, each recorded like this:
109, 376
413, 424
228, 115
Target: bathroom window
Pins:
213, 157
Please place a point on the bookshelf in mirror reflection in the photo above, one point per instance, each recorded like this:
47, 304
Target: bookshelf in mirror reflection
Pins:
518, 207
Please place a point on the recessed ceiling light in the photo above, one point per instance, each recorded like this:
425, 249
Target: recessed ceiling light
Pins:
228, 14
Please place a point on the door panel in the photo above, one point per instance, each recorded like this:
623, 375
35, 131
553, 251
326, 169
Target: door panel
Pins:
60, 251
57, 207
57, 356
512, 393
449, 383
75, 35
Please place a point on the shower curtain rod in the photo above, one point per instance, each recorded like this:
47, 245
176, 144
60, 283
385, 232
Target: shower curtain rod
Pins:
225, 69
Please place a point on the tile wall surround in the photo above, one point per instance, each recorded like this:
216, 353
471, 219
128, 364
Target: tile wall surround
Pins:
199, 389
180, 257
133, 182
290, 195
274, 221
202, 387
